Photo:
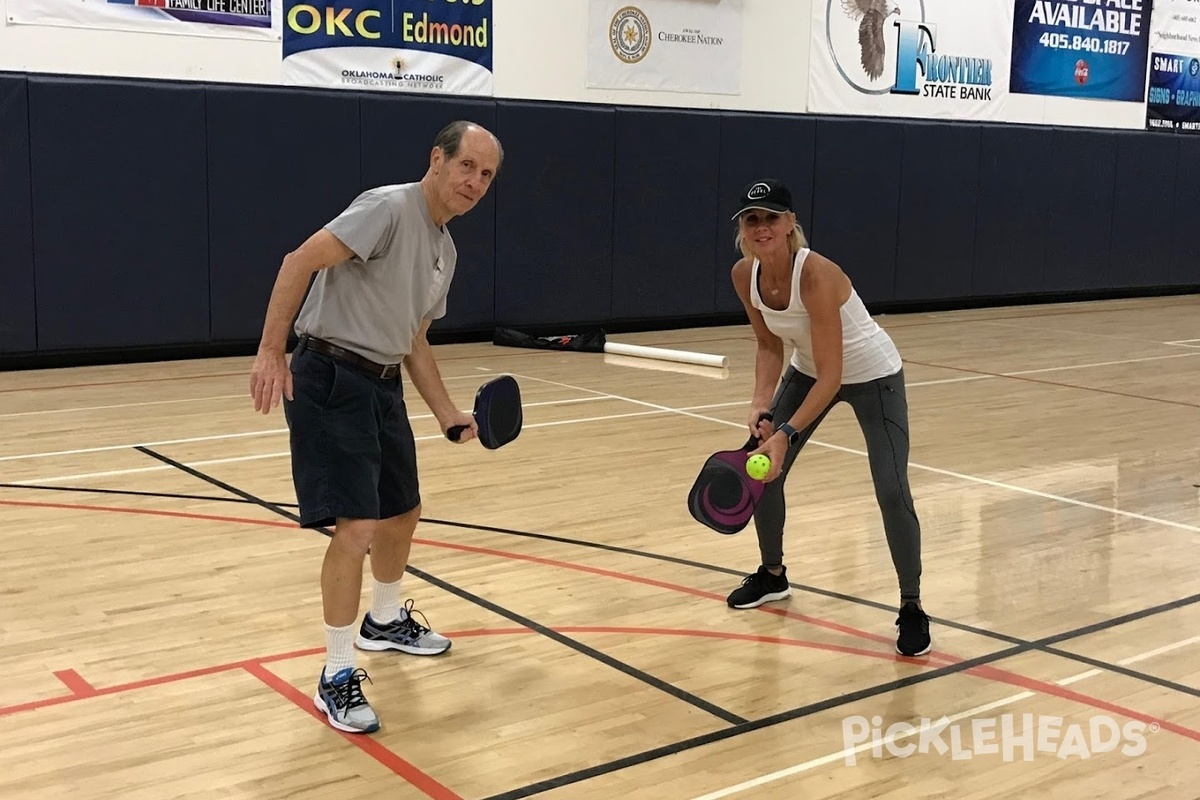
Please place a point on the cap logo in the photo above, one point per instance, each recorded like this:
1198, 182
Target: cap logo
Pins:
758, 191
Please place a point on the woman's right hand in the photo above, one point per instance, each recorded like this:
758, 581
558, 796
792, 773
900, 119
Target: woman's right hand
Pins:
759, 423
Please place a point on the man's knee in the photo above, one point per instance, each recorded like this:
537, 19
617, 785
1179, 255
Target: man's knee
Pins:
355, 533
400, 524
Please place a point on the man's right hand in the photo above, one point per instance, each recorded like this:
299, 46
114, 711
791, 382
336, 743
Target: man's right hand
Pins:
270, 379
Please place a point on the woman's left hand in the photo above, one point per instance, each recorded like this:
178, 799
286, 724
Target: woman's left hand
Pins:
774, 448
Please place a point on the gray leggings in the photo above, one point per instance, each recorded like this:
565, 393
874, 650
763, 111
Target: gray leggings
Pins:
882, 411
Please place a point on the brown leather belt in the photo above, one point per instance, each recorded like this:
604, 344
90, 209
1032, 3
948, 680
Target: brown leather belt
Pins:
384, 371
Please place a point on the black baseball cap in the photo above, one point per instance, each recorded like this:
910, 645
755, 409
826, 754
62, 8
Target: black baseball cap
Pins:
768, 195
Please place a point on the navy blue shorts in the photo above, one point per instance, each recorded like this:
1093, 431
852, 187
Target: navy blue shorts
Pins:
353, 452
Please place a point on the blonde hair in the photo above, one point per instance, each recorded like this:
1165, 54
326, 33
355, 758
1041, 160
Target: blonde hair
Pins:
796, 240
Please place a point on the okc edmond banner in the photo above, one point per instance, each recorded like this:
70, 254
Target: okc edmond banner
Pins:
436, 46
226, 19
909, 58
1092, 49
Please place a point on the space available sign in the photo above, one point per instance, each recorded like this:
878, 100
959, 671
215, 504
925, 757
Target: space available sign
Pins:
228, 19
665, 45
1081, 48
1173, 102
434, 46
925, 58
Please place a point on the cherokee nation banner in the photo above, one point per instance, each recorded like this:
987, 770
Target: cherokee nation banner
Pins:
434, 46
1174, 100
1094, 49
910, 58
225, 19
665, 45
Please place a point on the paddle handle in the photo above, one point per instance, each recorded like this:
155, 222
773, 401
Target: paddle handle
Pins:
752, 443
454, 432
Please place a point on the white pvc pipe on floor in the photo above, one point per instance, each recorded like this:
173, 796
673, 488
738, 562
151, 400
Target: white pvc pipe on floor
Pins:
682, 356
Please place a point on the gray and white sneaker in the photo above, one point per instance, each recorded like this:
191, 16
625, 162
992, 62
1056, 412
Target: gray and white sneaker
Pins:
342, 701
404, 634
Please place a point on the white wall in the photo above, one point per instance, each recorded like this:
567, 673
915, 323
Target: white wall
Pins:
540, 51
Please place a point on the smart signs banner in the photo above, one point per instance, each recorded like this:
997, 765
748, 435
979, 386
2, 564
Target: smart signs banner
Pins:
436, 46
666, 45
1081, 48
911, 58
230, 19
1173, 103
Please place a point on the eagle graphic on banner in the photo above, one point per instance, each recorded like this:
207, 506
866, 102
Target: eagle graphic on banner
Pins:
870, 15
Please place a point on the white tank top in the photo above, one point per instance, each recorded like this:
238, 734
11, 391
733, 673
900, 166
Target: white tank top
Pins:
868, 352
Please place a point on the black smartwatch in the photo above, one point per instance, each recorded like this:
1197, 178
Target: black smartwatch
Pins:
793, 435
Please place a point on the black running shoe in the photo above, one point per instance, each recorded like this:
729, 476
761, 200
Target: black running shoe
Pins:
759, 588
912, 631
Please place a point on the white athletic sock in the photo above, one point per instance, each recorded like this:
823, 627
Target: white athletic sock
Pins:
339, 649
385, 602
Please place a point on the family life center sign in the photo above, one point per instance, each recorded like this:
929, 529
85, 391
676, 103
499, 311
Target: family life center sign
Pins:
443, 46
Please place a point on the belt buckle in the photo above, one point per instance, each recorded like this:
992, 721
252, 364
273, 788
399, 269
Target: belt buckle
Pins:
389, 371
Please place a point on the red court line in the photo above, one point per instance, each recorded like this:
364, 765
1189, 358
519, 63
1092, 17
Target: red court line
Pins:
75, 682
82, 690
151, 512
991, 673
674, 587
124, 382
1034, 684
372, 747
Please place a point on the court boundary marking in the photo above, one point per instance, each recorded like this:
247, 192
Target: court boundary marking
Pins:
977, 665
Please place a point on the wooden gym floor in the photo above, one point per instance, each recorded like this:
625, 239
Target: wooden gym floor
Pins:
161, 619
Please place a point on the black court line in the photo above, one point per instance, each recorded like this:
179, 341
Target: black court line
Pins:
633, 672
1092, 662
1082, 659
1129, 673
829, 703
132, 493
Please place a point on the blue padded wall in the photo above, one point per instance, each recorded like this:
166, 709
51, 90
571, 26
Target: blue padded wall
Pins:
120, 213
939, 189
18, 321
666, 200
397, 135
856, 200
752, 147
1013, 210
554, 214
138, 213
281, 163
1081, 210
1143, 208
1185, 261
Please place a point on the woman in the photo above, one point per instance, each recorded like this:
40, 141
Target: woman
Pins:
801, 299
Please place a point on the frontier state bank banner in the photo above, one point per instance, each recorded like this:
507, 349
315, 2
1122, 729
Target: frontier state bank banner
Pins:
227, 19
910, 58
435, 46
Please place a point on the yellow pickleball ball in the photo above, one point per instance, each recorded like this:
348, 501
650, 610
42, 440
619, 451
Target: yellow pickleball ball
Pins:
758, 466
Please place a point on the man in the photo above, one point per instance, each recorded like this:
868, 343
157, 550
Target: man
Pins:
384, 267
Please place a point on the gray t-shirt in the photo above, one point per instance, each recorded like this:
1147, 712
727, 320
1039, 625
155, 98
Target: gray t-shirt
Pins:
374, 302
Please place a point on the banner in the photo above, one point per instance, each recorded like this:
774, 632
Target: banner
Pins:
925, 58
1092, 49
435, 46
228, 19
666, 45
1173, 103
